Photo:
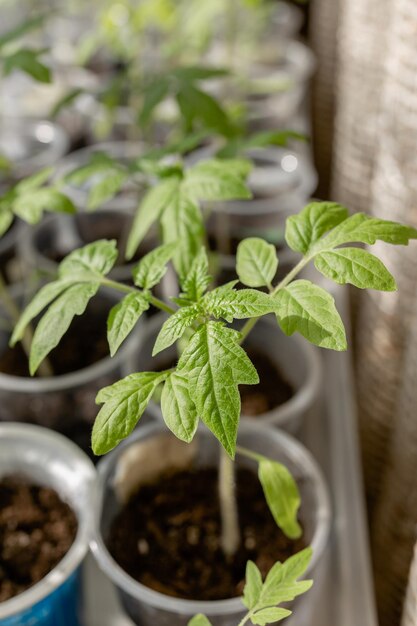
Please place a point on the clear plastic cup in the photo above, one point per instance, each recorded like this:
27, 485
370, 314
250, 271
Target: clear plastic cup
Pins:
46, 400
148, 607
49, 459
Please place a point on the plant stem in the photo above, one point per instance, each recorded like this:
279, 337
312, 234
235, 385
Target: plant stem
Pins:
159, 304
230, 537
245, 619
248, 326
11, 308
156, 302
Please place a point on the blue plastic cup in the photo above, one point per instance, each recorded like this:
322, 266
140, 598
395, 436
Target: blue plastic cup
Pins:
47, 458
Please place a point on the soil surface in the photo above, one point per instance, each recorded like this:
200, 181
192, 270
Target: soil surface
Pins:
272, 390
167, 537
85, 343
36, 531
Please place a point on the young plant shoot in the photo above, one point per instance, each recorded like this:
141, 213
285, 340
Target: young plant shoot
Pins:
204, 384
261, 598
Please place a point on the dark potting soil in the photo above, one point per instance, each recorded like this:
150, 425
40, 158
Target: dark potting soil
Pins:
168, 536
36, 531
272, 390
85, 343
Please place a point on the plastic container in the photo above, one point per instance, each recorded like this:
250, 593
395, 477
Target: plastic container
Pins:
42, 247
148, 607
29, 145
294, 356
275, 92
129, 196
67, 402
49, 459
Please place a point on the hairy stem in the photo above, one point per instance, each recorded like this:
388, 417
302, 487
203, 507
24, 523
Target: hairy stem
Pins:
245, 619
230, 537
45, 368
156, 302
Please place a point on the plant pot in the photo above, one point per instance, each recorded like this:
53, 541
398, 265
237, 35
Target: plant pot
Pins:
276, 92
29, 145
49, 459
146, 606
66, 402
42, 247
129, 196
297, 360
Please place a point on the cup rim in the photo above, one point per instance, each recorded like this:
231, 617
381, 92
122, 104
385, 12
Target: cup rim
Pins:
73, 558
156, 599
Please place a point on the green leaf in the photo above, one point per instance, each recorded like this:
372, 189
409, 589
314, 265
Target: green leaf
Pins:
154, 94
239, 145
123, 317
317, 218
56, 321
178, 409
45, 296
31, 204
269, 615
280, 584
256, 262
282, 495
174, 327
198, 279
357, 267
6, 220
27, 61
194, 73
35, 181
66, 100
99, 164
217, 180
106, 188
214, 365
182, 222
92, 261
153, 205
153, 266
361, 228
242, 304
253, 586
308, 309
199, 620
196, 104
124, 404
21, 29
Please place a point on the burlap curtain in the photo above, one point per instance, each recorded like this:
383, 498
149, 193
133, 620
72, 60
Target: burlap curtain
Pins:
410, 607
374, 169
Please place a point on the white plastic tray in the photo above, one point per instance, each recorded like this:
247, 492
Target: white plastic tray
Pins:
343, 590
